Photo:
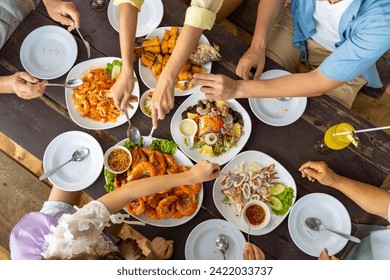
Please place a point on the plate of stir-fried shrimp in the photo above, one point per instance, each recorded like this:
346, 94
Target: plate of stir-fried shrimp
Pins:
168, 208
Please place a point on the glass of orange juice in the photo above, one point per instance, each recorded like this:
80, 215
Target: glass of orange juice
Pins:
336, 137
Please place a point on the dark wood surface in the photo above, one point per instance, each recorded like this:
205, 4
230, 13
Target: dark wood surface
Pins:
34, 123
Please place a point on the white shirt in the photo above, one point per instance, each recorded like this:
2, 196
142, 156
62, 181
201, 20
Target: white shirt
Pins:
12, 12
326, 20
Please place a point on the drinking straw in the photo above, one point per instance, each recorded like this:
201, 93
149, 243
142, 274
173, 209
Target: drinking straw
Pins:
361, 130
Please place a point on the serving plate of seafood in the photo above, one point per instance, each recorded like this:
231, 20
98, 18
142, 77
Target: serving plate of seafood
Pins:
156, 50
149, 17
274, 111
253, 175
182, 202
89, 105
223, 128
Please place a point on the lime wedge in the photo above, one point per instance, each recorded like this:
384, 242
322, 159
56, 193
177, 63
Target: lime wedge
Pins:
115, 71
277, 189
276, 204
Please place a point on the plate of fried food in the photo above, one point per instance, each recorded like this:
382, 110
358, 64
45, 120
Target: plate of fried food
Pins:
89, 105
168, 208
254, 176
223, 128
156, 50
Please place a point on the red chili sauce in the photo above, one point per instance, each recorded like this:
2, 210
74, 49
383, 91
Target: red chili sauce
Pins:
255, 214
118, 160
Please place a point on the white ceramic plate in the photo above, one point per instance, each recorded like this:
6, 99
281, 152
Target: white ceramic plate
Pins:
193, 153
273, 111
48, 52
78, 72
147, 75
149, 17
331, 213
228, 213
181, 159
200, 244
74, 176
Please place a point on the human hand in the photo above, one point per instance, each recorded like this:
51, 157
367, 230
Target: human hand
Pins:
216, 87
162, 249
204, 171
130, 250
319, 170
252, 252
26, 86
162, 100
251, 58
122, 91
325, 256
64, 12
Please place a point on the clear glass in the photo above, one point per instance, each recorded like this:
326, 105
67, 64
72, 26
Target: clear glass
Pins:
325, 144
98, 5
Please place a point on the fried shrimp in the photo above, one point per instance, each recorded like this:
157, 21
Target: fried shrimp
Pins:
151, 213
136, 207
166, 207
141, 170
173, 167
137, 157
157, 159
187, 205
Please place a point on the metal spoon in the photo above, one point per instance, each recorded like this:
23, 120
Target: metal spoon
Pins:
222, 244
284, 98
78, 155
68, 84
132, 132
316, 225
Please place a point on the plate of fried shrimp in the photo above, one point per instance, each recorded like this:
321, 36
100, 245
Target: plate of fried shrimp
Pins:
168, 208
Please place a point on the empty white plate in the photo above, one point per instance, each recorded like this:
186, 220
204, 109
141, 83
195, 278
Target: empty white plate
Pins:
276, 112
149, 17
48, 52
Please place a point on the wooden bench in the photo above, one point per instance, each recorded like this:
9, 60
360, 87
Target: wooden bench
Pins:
244, 17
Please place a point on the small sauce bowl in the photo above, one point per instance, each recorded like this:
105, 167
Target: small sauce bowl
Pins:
256, 214
117, 159
145, 103
188, 129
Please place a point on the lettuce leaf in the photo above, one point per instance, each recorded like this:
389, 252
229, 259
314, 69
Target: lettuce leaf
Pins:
110, 66
286, 198
110, 181
164, 146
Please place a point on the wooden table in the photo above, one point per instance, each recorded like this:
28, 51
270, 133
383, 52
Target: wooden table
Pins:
34, 123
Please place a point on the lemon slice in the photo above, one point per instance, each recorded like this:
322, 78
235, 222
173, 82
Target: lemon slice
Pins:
115, 71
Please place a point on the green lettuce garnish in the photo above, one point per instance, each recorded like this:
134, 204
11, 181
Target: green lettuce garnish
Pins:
110, 181
286, 199
164, 146
110, 66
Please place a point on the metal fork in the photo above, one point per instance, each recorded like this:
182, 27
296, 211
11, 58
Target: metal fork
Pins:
85, 43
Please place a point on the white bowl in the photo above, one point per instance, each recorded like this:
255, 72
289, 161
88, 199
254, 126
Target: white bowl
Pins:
107, 154
264, 206
145, 98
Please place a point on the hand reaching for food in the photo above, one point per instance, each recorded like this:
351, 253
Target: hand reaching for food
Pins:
216, 87
25, 85
251, 58
204, 171
64, 12
122, 89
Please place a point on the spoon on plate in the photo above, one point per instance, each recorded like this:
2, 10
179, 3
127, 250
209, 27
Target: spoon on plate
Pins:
283, 98
132, 132
78, 155
74, 83
222, 244
316, 225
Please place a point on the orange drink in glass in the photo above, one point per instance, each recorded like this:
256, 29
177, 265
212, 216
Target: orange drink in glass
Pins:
335, 140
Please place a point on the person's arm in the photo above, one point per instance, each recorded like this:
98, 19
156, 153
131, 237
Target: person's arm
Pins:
372, 199
220, 87
22, 84
64, 12
123, 88
201, 15
116, 200
267, 13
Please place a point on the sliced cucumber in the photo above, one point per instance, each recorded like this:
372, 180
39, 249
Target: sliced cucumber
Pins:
278, 189
276, 204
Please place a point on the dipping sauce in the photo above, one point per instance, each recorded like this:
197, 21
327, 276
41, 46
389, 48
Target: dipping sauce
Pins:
256, 214
118, 160
188, 127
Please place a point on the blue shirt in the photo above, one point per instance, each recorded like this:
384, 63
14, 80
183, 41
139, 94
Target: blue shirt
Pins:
365, 36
